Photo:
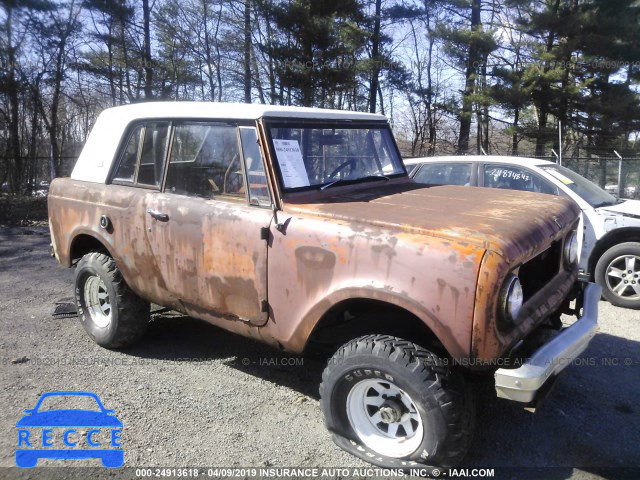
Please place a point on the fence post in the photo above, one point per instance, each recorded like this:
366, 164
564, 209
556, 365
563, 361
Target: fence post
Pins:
619, 174
52, 166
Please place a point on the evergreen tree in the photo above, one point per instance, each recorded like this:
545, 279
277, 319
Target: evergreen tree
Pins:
316, 51
468, 44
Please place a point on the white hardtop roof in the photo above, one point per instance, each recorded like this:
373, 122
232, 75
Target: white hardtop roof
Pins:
100, 148
231, 111
526, 161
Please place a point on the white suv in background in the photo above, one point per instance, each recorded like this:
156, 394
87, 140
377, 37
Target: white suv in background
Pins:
610, 251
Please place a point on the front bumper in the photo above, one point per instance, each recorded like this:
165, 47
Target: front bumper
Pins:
523, 384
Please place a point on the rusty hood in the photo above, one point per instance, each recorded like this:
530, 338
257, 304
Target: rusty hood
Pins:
511, 223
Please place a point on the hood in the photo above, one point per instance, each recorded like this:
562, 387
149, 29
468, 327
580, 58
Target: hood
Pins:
626, 207
511, 223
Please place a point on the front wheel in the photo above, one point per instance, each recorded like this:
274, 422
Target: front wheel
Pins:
618, 273
394, 404
110, 312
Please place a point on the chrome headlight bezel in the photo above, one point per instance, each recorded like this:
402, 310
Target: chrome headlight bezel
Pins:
570, 249
511, 299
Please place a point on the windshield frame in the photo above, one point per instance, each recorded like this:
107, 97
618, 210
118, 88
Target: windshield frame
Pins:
606, 198
269, 124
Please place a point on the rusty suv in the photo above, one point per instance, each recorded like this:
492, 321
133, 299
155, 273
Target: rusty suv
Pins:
300, 228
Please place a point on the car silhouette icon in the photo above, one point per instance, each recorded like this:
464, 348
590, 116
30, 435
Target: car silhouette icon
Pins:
70, 419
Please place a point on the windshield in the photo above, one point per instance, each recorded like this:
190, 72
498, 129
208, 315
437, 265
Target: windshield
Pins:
588, 191
317, 156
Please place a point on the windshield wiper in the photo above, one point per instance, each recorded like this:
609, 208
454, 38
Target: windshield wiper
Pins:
354, 180
606, 204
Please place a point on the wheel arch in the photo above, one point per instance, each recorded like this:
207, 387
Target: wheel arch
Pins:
358, 315
611, 239
84, 243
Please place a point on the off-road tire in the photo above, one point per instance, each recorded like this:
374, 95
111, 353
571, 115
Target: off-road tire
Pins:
610, 258
129, 314
439, 394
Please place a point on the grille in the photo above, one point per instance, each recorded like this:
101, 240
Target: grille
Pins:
538, 271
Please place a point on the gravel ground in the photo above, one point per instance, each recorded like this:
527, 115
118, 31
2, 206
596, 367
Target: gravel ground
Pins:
191, 394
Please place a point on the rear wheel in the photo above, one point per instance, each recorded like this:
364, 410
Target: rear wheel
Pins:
618, 272
110, 312
395, 404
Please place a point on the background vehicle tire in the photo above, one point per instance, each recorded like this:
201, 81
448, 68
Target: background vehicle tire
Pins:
393, 403
616, 266
110, 312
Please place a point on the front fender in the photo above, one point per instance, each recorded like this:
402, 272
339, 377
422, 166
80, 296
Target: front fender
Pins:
456, 342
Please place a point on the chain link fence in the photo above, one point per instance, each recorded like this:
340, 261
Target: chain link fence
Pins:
618, 177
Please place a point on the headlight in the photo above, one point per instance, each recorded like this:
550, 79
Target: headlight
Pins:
571, 249
511, 299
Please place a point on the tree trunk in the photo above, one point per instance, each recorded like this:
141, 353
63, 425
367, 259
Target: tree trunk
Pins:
33, 136
247, 51
431, 111
307, 85
469, 83
542, 117
514, 135
375, 57
15, 166
542, 111
148, 67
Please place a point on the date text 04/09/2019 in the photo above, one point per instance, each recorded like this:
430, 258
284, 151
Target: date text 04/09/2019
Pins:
329, 473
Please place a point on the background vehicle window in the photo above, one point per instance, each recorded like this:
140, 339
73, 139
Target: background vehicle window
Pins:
445, 174
254, 166
590, 192
154, 150
205, 162
516, 178
127, 167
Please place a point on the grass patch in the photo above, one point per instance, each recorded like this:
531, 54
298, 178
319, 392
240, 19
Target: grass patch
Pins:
21, 211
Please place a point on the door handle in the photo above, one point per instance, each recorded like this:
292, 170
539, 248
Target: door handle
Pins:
161, 217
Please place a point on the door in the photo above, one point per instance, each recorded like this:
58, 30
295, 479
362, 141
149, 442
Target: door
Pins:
206, 237
138, 175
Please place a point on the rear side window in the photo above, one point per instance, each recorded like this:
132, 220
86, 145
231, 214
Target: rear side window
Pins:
444, 174
205, 162
143, 159
127, 169
516, 178
154, 150
254, 166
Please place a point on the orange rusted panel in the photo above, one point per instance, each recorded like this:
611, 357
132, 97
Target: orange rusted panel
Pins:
415, 247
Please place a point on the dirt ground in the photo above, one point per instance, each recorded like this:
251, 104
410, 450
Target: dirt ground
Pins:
191, 394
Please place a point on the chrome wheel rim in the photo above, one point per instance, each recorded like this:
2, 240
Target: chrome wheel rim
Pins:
385, 418
623, 277
97, 302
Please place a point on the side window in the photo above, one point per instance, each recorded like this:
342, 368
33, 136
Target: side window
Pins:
516, 178
154, 149
127, 168
444, 174
254, 166
205, 162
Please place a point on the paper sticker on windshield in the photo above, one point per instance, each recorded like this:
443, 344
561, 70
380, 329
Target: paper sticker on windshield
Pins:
294, 173
559, 176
